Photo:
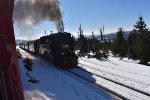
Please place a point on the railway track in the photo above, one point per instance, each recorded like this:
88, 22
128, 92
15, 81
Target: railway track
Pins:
92, 82
110, 85
127, 81
114, 68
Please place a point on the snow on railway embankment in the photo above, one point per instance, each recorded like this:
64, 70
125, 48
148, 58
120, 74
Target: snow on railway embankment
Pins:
53, 83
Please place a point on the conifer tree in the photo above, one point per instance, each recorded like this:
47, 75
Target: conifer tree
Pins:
139, 42
119, 45
131, 42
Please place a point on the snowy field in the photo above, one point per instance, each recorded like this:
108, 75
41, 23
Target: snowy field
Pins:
54, 84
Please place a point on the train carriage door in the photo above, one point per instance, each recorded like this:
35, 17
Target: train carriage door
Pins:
8, 88
3, 93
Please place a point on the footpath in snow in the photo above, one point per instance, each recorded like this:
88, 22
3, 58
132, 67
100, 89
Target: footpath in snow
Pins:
53, 83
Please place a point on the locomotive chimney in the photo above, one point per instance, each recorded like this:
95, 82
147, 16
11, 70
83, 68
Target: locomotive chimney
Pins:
60, 26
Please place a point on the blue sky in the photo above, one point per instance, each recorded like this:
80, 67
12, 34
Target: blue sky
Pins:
93, 14
113, 14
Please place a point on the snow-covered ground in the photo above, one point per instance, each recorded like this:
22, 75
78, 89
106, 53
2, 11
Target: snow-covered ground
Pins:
125, 71
54, 84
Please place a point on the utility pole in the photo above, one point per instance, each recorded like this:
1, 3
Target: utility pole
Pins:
80, 30
45, 33
101, 34
93, 40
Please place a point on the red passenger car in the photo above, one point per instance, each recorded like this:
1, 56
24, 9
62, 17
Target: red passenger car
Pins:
10, 81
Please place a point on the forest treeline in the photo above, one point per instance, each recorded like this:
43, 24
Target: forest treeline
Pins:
136, 46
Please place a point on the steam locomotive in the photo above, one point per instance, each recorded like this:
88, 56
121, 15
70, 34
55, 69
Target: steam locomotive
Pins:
57, 48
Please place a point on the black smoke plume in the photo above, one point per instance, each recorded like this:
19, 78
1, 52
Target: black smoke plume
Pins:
34, 12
